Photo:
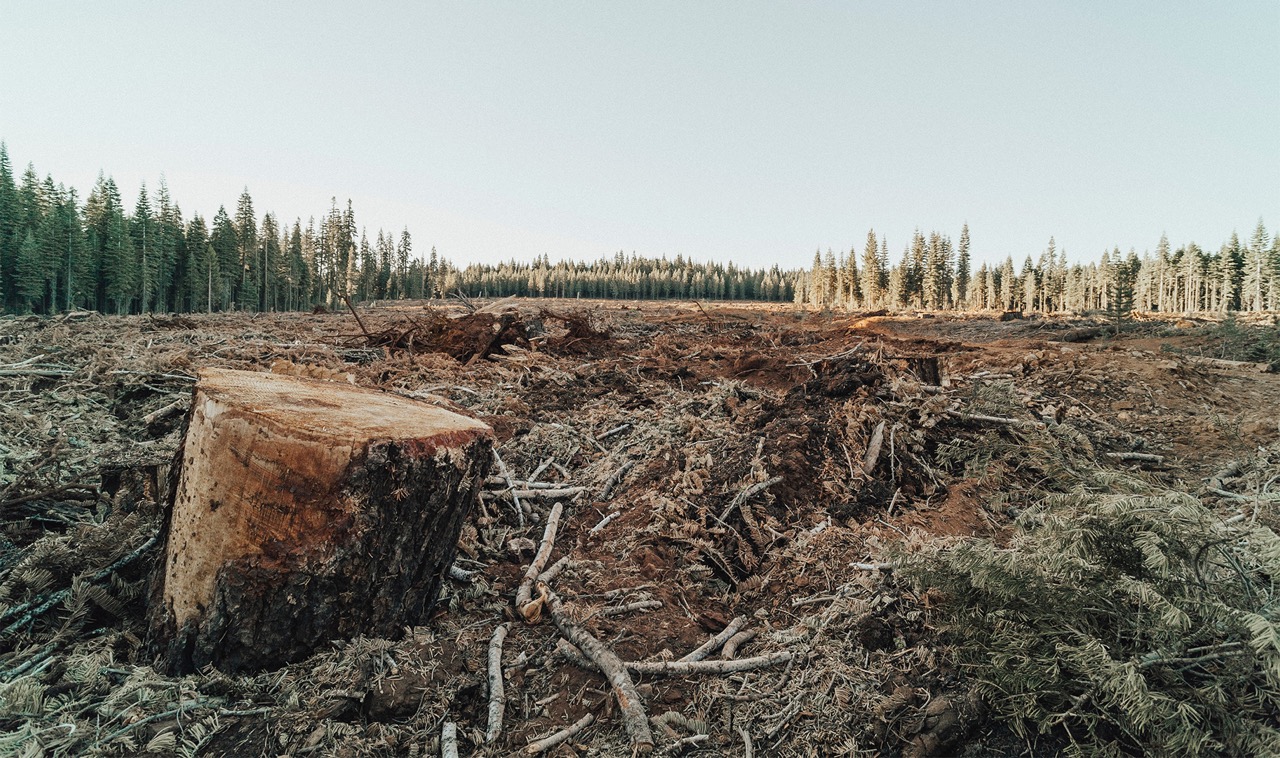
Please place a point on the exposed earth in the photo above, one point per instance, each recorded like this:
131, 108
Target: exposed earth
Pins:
738, 461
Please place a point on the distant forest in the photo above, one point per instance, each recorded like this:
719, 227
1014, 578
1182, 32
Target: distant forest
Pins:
58, 254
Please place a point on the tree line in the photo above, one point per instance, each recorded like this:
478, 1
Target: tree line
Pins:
59, 254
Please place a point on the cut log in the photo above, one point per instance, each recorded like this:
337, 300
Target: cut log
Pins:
307, 511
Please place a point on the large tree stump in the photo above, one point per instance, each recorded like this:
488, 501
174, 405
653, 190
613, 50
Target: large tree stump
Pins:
307, 511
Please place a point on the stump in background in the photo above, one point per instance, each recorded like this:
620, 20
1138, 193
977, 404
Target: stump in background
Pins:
307, 511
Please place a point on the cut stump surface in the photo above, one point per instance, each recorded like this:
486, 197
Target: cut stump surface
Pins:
308, 511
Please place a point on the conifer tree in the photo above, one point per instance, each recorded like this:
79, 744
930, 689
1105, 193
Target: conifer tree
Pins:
960, 287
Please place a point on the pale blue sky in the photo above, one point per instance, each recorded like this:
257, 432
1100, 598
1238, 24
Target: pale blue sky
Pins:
748, 131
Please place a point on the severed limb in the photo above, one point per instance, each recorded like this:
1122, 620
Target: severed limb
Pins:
497, 690
529, 610
716, 642
568, 733
607, 662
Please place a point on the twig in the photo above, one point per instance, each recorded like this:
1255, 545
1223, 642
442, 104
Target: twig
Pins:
60, 489
502, 467
604, 522
524, 593
604, 659
678, 747
168, 410
616, 479
871, 566
716, 642
746, 493
550, 574
873, 449
461, 574
449, 740
748, 750
497, 690
564, 735
732, 644
1143, 457
538, 471
979, 418
658, 668
639, 605
613, 431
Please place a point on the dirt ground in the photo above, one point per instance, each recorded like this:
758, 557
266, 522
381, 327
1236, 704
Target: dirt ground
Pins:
742, 464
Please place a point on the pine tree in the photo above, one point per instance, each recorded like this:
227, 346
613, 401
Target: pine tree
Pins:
871, 273
248, 261
142, 225
960, 286
1256, 270
8, 231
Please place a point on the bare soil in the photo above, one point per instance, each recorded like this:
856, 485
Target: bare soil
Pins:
703, 402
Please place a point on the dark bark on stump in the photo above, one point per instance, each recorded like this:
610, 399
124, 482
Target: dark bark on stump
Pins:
306, 512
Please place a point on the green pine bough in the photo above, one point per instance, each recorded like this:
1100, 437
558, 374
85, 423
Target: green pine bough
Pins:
1124, 624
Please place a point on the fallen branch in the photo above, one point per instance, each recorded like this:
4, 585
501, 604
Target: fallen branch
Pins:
564, 735
449, 740
871, 566
88, 490
679, 747
604, 522
616, 479
613, 431
502, 467
608, 663
639, 605
1143, 457
716, 642
659, 668
497, 690
981, 419
546, 577
524, 593
732, 644
461, 574
172, 408
746, 493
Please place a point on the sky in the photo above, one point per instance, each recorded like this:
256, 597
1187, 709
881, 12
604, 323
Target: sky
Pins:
744, 131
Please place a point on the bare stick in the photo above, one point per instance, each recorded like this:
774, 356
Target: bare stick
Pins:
639, 605
449, 740
873, 449
525, 592
979, 418
608, 663
746, 493
538, 471
748, 750
732, 644
659, 668
678, 747
564, 735
502, 467
461, 574
1143, 457
872, 566
546, 577
613, 431
616, 479
604, 522
352, 308
168, 410
497, 690
548, 493
716, 642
